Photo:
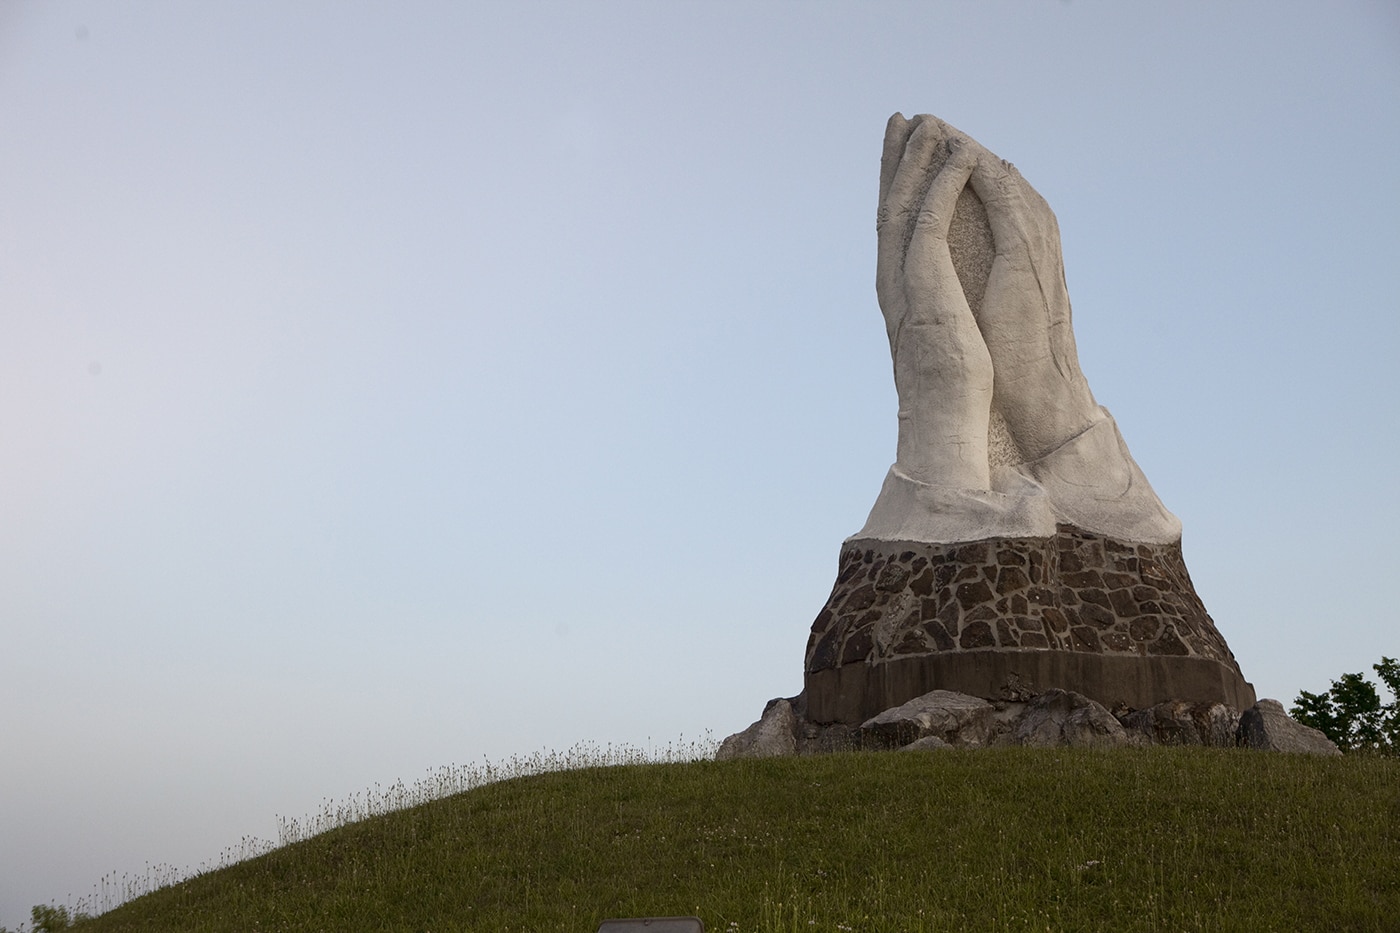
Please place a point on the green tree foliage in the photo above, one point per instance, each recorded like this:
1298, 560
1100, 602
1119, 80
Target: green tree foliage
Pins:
1351, 713
51, 919
46, 919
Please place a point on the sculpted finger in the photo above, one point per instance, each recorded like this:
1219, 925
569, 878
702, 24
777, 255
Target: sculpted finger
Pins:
902, 200
897, 133
912, 172
896, 137
928, 264
1034, 204
998, 186
936, 214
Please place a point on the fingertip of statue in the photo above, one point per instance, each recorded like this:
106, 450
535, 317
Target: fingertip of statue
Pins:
921, 128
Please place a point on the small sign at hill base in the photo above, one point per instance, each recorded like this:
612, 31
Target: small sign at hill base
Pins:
653, 925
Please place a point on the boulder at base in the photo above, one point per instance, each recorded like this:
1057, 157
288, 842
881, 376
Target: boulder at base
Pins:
774, 735
1178, 723
1063, 717
955, 718
1266, 726
1053, 719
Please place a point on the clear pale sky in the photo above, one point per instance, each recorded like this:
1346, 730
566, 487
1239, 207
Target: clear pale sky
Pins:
390, 385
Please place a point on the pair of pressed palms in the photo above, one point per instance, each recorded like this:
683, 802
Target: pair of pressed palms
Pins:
994, 410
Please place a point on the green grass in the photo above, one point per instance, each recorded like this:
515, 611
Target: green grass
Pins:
999, 839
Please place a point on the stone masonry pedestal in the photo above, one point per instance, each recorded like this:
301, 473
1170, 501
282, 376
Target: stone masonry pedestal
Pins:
1013, 617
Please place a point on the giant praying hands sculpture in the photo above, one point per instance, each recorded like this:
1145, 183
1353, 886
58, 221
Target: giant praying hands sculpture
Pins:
998, 432
1015, 544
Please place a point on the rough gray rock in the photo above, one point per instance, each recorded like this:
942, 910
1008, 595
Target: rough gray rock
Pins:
1175, 722
927, 743
772, 736
1062, 717
945, 719
956, 718
1266, 726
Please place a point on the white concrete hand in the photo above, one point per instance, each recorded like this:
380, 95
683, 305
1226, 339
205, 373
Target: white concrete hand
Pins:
1025, 315
971, 356
942, 370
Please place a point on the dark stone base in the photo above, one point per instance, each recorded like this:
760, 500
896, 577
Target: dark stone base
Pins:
1116, 621
853, 693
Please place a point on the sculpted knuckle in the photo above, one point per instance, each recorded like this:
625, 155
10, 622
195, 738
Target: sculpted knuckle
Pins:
930, 218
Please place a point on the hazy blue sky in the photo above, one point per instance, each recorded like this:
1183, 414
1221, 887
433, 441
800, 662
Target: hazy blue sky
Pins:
388, 385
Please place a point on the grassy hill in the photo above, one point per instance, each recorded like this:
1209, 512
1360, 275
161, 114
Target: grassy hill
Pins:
1002, 839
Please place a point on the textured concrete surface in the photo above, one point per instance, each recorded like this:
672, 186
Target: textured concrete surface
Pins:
999, 434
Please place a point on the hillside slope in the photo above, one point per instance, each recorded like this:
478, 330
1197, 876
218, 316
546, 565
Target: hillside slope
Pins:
1002, 839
